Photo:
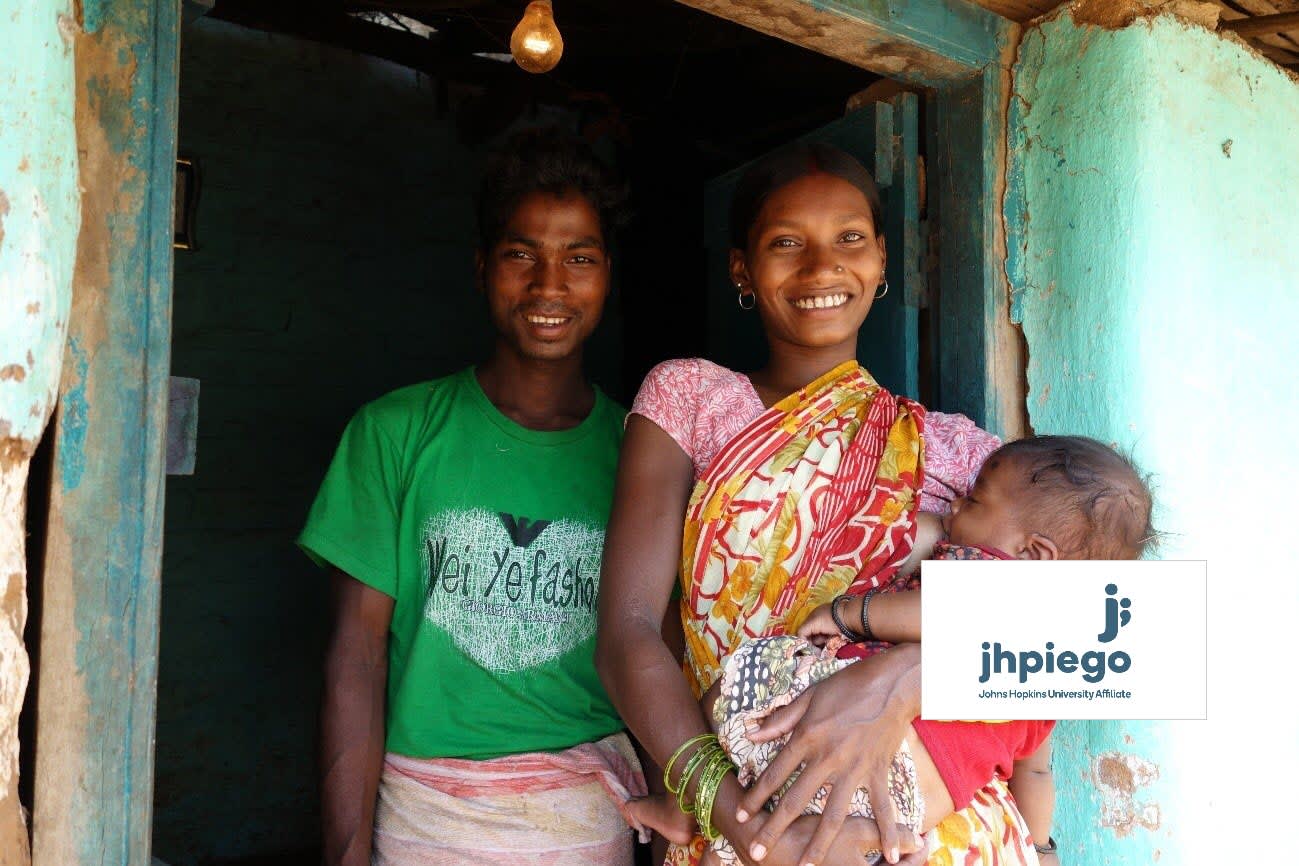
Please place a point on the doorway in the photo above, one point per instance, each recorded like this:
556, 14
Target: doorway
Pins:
334, 241
716, 94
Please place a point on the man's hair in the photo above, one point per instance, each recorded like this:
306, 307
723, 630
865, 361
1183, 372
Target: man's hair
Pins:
546, 160
1083, 495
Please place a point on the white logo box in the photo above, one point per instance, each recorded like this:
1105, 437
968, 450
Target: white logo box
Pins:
1155, 665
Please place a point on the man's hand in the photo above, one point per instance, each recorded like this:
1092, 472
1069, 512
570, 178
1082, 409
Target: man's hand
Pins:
845, 732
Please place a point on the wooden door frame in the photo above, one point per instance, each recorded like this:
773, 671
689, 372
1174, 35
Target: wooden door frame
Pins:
97, 681
96, 684
961, 55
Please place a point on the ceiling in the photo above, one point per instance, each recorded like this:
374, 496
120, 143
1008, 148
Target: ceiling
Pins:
629, 63
733, 90
1282, 46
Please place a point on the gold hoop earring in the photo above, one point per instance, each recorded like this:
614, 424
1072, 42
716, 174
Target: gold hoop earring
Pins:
741, 295
879, 294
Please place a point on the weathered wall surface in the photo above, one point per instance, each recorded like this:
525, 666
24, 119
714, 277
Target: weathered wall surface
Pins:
39, 217
1155, 256
96, 681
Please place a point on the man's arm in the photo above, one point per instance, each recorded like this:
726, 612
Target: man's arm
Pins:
352, 719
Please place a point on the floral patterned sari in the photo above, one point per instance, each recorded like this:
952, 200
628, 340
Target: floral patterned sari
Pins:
815, 497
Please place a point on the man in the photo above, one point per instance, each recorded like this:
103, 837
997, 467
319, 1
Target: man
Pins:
463, 523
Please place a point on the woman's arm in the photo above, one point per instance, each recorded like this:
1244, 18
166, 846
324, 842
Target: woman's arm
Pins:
639, 671
644, 680
641, 561
352, 719
929, 531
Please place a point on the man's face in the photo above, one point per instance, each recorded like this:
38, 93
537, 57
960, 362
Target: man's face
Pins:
547, 277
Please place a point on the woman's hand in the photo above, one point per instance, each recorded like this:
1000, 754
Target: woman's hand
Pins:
846, 730
857, 837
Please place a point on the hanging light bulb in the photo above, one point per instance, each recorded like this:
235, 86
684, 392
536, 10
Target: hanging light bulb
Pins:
536, 43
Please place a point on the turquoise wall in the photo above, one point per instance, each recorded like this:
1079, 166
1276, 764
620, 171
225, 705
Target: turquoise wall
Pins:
39, 219
1154, 255
39, 212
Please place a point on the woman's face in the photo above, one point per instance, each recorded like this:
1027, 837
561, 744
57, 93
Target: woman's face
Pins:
813, 262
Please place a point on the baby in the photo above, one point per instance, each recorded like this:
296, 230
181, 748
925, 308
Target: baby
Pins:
1045, 497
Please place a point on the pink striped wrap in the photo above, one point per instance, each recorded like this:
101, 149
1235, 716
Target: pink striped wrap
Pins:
535, 809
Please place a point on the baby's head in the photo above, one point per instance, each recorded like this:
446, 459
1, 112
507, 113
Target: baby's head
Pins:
1055, 497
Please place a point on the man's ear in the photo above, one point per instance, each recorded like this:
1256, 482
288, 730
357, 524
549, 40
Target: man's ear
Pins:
1037, 546
480, 271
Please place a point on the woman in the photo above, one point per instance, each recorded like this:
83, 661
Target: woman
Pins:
798, 482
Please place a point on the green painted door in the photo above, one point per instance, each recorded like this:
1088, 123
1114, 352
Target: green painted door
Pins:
884, 137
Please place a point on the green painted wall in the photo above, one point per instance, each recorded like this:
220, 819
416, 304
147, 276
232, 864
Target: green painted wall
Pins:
39, 212
1154, 246
39, 219
335, 262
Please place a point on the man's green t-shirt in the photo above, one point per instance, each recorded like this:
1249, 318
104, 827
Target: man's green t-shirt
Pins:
488, 536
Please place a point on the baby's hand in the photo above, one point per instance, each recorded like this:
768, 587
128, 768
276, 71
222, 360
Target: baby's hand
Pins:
659, 812
819, 627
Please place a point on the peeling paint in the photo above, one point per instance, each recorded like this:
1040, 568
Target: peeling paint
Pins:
1120, 776
73, 419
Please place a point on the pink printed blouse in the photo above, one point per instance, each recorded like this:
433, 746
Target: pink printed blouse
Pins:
702, 406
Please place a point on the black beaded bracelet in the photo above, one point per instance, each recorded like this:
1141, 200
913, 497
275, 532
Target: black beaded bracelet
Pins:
1048, 848
865, 616
838, 621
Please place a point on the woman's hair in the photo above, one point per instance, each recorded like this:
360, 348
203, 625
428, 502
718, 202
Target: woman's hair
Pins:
786, 165
1083, 495
552, 161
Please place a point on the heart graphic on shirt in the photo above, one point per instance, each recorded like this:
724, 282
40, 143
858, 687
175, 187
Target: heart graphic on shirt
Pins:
512, 592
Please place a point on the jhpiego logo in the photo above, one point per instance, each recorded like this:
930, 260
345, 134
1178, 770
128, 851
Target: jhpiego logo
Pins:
1075, 639
1093, 663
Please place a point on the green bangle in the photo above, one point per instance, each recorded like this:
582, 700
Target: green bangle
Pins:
710, 782
697, 762
667, 769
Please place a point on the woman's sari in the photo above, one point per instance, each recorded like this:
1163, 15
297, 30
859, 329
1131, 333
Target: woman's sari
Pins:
816, 497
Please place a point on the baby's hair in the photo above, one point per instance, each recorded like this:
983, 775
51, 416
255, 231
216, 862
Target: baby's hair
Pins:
786, 165
1083, 495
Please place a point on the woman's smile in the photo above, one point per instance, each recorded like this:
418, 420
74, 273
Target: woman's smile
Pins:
822, 302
